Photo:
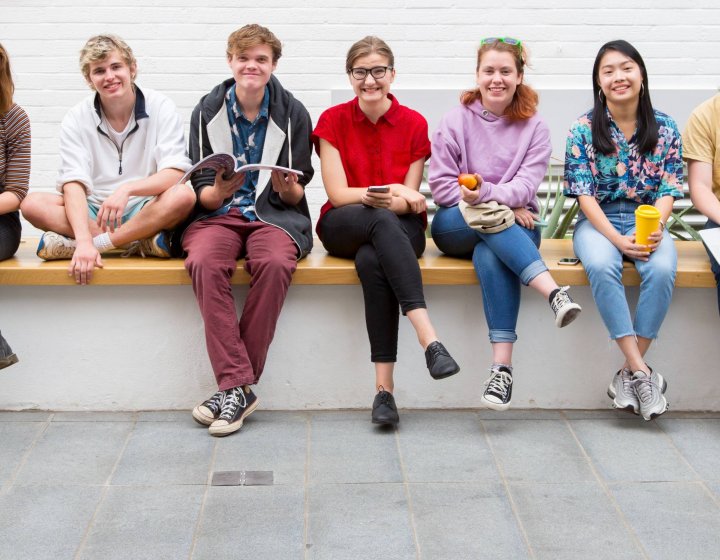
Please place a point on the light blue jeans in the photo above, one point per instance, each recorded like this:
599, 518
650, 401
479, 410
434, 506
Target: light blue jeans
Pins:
502, 262
603, 263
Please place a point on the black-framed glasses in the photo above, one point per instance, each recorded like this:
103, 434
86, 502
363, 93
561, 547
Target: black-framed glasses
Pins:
376, 72
507, 40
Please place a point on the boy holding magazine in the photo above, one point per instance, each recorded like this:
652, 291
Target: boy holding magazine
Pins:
260, 215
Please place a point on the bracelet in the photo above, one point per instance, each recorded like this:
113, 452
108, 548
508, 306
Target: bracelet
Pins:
662, 225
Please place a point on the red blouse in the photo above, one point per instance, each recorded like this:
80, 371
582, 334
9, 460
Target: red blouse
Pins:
373, 154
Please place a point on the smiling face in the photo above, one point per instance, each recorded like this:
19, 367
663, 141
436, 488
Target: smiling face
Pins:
497, 80
252, 68
111, 77
620, 78
369, 89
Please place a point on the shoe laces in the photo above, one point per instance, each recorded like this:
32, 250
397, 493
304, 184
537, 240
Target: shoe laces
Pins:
561, 299
436, 350
383, 396
134, 249
232, 402
500, 382
644, 387
215, 402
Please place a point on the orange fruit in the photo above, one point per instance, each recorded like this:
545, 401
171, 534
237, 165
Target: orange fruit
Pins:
468, 180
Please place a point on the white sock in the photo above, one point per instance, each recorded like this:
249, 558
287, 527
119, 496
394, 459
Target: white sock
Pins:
102, 242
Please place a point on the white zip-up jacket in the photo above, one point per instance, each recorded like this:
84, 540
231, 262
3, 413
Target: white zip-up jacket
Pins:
90, 157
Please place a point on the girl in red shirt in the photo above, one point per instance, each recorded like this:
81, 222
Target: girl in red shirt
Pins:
372, 152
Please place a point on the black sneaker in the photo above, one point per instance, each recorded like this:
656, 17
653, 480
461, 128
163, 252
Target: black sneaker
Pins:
238, 403
439, 361
7, 356
565, 309
207, 412
384, 410
498, 392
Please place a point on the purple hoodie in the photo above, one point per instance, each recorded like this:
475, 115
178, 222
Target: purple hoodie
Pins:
511, 156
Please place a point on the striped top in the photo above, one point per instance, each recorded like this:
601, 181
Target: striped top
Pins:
15, 151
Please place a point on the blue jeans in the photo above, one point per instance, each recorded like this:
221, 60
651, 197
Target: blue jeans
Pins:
713, 263
502, 262
603, 263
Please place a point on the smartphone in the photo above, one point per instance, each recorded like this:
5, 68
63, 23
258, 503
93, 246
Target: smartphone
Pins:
569, 261
379, 189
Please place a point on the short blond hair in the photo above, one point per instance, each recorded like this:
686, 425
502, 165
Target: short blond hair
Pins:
99, 48
252, 35
7, 87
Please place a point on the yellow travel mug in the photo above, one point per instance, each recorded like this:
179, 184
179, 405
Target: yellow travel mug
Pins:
647, 220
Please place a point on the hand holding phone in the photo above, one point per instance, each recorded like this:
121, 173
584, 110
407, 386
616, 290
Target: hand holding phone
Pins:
379, 189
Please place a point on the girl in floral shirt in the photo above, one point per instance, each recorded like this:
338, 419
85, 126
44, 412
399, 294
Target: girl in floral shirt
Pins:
620, 155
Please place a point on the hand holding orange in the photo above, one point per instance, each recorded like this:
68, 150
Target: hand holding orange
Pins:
468, 181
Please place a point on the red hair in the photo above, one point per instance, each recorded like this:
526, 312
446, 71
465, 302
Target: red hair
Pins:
525, 100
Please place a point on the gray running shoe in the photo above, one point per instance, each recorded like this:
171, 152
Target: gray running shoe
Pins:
54, 246
649, 394
622, 393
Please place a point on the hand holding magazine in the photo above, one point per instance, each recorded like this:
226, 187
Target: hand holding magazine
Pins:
226, 164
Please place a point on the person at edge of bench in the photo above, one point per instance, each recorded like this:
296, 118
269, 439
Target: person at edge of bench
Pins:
122, 152
260, 215
701, 151
14, 175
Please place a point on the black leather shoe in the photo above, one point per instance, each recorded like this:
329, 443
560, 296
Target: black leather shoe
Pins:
439, 361
384, 410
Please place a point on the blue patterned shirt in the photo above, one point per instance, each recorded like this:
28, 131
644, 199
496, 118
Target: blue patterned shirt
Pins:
248, 139
625, 174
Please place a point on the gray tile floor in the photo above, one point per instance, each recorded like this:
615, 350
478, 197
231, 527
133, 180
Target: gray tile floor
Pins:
444, 485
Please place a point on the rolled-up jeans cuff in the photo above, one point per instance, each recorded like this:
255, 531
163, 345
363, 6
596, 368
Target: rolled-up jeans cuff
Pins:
497, 335
531, 271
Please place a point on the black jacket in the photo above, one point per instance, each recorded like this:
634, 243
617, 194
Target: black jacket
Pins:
287, 143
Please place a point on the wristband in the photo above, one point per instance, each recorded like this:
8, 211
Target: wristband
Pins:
662, 225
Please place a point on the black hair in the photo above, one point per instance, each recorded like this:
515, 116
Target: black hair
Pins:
647, 127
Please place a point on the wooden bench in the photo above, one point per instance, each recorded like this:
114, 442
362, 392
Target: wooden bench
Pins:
321, 269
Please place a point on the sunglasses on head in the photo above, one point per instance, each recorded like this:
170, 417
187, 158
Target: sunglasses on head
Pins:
506, 40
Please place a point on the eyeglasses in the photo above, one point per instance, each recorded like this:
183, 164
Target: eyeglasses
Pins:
507, 40
377, 72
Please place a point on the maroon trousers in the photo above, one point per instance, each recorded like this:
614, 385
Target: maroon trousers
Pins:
238, 350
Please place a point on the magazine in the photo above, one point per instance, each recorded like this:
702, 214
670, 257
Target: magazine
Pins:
711, 239
228, 164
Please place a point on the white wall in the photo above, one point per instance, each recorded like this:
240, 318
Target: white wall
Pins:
180, 46
142, 348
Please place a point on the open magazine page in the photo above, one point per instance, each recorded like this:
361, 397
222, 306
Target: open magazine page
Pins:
226, 163
711, 238
218, 162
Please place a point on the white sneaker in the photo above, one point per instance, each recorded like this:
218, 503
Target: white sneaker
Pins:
565, 309
54, 246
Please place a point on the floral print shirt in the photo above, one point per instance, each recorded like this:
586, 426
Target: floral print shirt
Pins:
625, 174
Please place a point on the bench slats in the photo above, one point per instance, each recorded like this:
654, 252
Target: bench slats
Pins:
321, 269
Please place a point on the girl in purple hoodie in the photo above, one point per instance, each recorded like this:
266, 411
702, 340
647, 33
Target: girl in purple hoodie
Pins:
496, 135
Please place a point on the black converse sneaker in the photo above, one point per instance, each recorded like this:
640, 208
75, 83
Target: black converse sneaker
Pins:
207, 412
498, 392
565, 309
238, 404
